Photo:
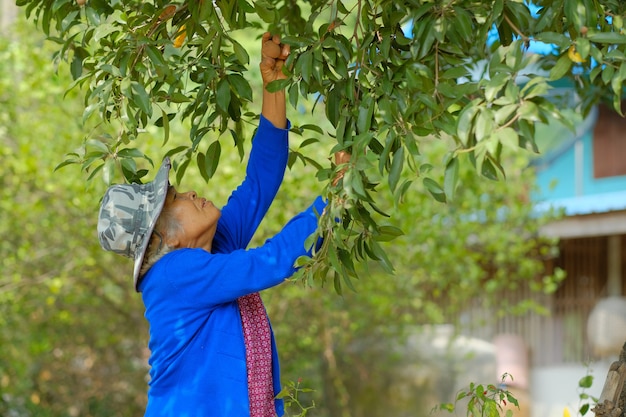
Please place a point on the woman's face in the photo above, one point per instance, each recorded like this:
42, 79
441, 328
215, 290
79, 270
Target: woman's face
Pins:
197, 217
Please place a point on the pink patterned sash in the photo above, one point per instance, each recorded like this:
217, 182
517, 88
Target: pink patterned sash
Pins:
256, 332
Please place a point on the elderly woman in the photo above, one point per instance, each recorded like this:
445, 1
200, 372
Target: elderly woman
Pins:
212, 348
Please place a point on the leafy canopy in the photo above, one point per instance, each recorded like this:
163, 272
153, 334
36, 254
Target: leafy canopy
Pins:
383, 88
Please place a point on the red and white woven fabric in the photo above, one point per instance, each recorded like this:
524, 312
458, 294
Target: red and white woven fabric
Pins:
256, 331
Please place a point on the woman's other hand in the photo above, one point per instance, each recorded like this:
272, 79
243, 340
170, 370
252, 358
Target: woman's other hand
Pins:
341, 158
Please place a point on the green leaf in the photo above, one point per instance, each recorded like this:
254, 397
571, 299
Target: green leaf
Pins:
611, 38
66, 162
240, 86
607, 74
130, 153
353, 180
583, 47
484, 124
489, 170
265, 11
463, 23
586, 381
279, 85
333, 107
553, 38
240, 53
535, 87
108, 171
223, 94
464, 123
529, 110
616, 85
366, 111
337, 283
298, 41
575, 13
308, 142
177, 97
157, 59
388, 233
141, 98
76, 67
451, 177
93, 16
180, 171
509, 138
594, 73
166, 127
562, 66
129, 167
312, 127
494, 85
435, 189
396, 168
201, 162
455, 72
381, 256
502, 115
97, 145
305, 65
176, 150
346, 260
213, 155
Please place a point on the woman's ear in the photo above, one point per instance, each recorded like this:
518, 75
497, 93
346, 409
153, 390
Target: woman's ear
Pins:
172, 241
167, 227
168, 239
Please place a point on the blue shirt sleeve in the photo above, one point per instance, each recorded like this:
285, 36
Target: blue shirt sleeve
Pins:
202, 280
249, 203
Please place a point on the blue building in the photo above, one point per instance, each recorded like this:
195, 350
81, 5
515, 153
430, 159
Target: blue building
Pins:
583, 174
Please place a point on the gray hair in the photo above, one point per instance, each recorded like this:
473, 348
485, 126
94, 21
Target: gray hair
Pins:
167, 226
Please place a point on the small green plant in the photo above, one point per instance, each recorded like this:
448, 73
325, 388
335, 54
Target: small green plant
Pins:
585, 401
484, 401
289, 394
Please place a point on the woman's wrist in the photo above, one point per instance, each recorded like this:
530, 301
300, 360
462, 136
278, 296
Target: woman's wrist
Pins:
274, 108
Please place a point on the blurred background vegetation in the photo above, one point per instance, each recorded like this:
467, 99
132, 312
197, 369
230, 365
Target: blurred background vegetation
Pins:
73, 340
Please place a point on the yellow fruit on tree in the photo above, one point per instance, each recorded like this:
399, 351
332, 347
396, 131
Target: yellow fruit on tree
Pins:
180, 37
574, 55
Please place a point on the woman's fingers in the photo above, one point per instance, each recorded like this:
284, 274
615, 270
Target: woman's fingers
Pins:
270, 46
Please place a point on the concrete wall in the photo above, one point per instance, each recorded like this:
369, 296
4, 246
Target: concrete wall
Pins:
552, 389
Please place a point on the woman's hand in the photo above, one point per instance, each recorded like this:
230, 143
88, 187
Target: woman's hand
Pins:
273, 56
341, 158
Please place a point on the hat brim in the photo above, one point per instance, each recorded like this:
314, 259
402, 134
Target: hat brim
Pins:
158, 188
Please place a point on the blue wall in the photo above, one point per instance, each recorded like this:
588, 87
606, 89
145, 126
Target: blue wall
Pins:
565, 175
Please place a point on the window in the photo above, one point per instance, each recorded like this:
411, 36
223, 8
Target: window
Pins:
609, 144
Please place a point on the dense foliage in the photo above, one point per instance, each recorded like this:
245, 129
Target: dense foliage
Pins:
68, 328
386, 75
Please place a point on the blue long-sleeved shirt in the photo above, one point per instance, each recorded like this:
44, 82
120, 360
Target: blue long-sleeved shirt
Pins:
198, 360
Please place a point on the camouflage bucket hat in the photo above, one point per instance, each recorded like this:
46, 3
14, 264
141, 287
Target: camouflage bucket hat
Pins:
128, 214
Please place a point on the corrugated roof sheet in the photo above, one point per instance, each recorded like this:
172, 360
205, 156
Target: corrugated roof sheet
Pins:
587, 204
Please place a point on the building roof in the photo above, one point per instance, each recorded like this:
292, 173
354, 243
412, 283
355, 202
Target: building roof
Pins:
586, 204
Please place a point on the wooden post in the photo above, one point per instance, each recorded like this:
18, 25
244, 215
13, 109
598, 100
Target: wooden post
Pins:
612, 402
